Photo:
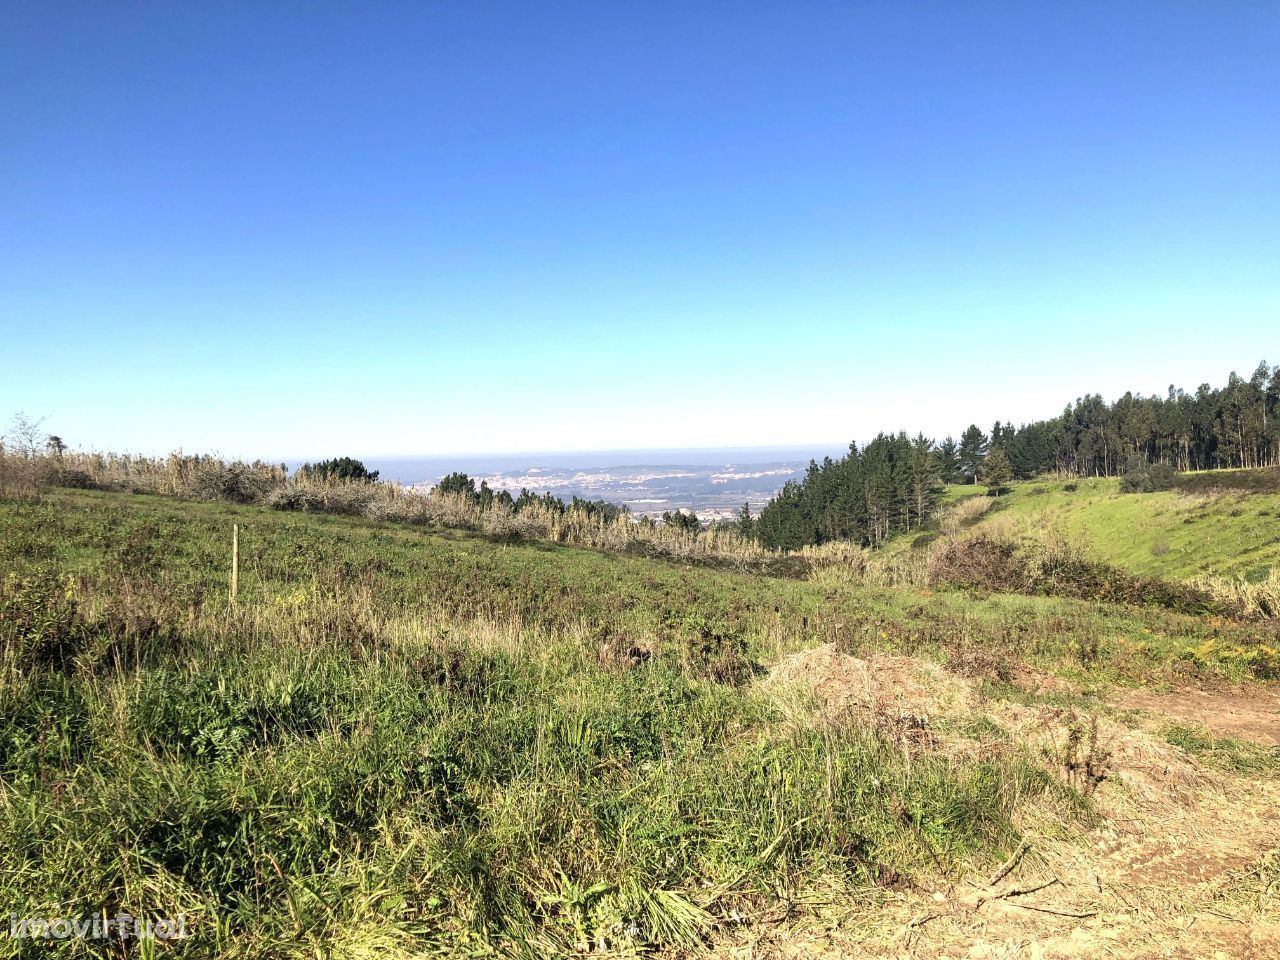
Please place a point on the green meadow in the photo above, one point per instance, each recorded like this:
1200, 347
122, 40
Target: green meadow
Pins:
1172, 534
413, 741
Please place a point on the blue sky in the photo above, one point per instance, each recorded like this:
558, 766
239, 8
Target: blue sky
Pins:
390, 228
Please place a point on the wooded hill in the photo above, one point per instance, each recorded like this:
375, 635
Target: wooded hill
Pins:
894, 484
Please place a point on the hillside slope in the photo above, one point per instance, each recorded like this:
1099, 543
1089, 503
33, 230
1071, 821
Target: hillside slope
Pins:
408, 742
1177, 534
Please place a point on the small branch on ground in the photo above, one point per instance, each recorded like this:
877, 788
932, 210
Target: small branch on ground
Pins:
1057, 913
1008, 866
1015, 892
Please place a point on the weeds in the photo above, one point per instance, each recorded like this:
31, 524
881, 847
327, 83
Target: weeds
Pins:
39, 621
1084, 763
1260, 599
988, 561
712, 650
396, 742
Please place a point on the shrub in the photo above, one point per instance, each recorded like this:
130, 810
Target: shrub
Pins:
711, 650
1261, 480
979, 561
402, 509
1084, 762
294, 498
1143, 477
234, 483
74, 479
39, 622
1053, 568
351, 499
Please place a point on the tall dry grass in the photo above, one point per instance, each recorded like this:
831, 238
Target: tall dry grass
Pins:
188, 476
213, 479
1261, 599
964, 513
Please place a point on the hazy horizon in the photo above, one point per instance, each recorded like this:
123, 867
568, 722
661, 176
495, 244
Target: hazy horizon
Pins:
673, 456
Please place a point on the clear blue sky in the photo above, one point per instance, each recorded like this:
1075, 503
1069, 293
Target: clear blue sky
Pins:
423, 228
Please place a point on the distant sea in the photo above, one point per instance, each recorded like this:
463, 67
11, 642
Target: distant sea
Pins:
712, 482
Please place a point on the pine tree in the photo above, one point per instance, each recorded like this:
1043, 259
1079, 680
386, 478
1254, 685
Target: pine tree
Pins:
746, 525
996, 471
925, 482
948, 459
459, 483
973, 447
684, 521
339, 468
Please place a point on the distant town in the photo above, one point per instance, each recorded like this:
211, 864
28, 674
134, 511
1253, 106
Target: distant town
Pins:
714, 491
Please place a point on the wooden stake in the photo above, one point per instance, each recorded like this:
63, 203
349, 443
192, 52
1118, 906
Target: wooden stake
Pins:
235, 559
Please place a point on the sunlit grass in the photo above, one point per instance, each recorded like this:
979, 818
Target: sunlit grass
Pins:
1166, 534
401, 739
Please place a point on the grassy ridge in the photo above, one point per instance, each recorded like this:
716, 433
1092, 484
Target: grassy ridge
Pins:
1171, 534
400, 740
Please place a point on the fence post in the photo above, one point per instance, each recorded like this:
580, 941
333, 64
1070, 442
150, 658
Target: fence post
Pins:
235, 559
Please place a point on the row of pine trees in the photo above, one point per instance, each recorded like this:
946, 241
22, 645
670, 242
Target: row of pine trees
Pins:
894, 483
890, 485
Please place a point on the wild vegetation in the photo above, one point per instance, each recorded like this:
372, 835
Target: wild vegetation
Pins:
1224, 524
344, 486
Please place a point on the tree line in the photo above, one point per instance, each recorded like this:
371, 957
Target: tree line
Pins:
1236, 425
894, 483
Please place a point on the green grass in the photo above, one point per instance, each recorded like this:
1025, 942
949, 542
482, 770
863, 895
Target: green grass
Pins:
952, 492
1166, 534
1225, 753
403, 740
455, 575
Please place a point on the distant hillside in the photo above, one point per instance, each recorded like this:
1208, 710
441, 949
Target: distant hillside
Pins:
1220, 522
894, 483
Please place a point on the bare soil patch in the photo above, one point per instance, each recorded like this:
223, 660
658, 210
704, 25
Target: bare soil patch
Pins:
1247, 713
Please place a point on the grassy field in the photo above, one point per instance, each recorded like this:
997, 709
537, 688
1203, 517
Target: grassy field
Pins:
1169, 534
404, 741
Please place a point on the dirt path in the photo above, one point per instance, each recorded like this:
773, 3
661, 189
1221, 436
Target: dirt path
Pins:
1247, 713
